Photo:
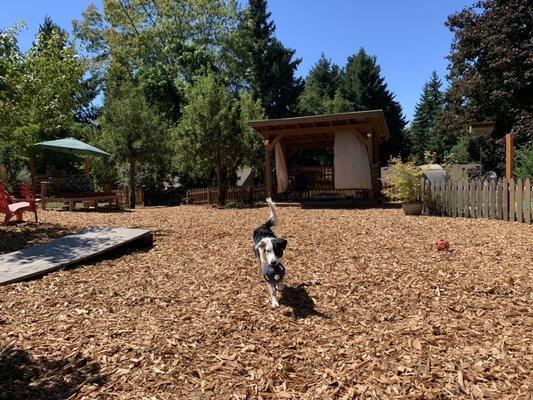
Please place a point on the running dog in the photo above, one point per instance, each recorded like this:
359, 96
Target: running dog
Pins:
269, 251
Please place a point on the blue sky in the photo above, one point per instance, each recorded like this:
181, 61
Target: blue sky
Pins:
408, 37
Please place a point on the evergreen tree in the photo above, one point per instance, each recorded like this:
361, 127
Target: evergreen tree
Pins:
273, 65
321, 94
423, 135
365, 88
49, 27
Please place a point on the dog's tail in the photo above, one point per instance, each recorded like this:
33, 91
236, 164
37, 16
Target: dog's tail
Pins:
273, 219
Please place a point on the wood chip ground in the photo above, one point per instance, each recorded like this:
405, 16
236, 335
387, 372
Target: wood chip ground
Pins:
371, 310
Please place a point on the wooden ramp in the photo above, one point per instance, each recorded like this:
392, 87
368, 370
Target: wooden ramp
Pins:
66, 251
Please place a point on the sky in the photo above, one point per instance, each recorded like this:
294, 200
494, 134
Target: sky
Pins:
408, 37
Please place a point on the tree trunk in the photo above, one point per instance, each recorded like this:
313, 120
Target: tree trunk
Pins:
131, 184
222, 183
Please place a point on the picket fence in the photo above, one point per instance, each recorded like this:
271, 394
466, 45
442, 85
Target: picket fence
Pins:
493, 199
235, 194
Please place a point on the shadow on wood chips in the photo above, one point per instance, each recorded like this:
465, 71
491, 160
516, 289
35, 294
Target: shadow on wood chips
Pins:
25, 377
20, 236
297, 298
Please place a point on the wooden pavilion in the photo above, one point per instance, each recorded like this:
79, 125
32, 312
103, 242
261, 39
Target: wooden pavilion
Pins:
355, 138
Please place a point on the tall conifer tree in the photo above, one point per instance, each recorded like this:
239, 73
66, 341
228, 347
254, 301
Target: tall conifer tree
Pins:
273, 66
365, 88
423, 134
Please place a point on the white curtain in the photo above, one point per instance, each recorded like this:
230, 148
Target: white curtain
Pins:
281, 169
352, 167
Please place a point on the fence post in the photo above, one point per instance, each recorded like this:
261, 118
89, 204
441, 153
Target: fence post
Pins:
527, 201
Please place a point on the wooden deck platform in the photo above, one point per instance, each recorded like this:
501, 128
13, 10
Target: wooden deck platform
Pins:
66, 251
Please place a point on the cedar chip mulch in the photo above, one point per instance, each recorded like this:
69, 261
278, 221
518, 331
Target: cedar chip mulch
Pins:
371, 310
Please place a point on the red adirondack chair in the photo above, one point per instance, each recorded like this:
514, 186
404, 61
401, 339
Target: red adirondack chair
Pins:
10, 206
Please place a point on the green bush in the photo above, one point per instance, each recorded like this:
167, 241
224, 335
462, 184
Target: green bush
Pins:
405, 181
524, 163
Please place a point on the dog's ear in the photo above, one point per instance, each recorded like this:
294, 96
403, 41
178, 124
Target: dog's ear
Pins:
282, 243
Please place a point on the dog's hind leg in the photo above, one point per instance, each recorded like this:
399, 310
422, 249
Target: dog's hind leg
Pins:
272, 292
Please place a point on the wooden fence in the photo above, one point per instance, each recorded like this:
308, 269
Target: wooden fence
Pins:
494, 199
235, 193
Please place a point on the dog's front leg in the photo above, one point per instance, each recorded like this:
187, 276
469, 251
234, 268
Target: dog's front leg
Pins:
272, 292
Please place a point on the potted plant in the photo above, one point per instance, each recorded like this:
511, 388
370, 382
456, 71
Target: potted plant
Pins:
405, 184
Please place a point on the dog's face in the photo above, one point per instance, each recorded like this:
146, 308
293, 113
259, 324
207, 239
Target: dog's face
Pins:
271, 250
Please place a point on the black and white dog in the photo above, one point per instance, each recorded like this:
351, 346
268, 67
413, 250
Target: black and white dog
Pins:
269, 251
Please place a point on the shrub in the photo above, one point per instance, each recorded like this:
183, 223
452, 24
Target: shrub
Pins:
405, 181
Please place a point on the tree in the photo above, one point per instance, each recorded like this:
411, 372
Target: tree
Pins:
213, 134
365, 88
53, 76
134, 132
321, 94
273, 66
11, 79
429, 108
159, 45
489, 72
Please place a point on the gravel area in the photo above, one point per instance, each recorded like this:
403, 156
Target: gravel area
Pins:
371, 310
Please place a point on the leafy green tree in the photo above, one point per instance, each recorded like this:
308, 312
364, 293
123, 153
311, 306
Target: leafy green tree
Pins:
524, 163
365, 88
134, 132
490, 68
11, 79
429, 108
273, 66
53, 75
158, 44
321, 94
213, 134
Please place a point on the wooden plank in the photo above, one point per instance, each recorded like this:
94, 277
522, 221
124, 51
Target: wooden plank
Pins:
485, 199
519, 200
65, 251
479, 198
499, 199
505, 199
492, 199
527, 201
460, 198
512, 189
466, 198
472, 198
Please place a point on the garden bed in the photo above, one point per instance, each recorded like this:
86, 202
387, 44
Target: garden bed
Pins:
371, 309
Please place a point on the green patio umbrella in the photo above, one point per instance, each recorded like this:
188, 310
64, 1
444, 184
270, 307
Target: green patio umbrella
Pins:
72, 146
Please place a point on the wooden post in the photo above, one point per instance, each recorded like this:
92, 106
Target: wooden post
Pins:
268, 169
509, 156
370, 152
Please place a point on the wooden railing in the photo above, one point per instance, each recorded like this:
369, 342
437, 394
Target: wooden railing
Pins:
235, 194
493, 199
